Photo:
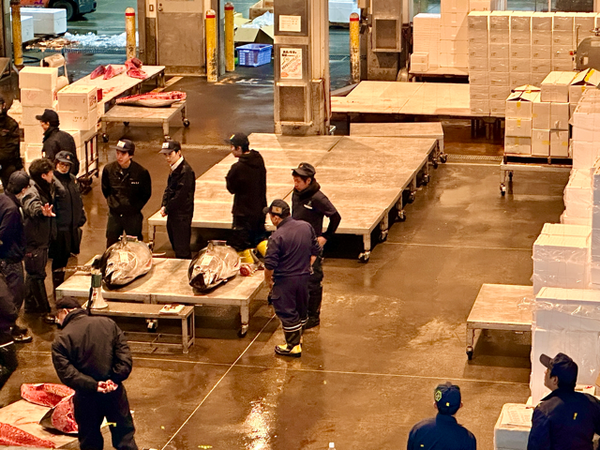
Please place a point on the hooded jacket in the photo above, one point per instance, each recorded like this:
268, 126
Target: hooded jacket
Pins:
10, 141
12, 232
39, 229
311, 205
247, 181
56, 140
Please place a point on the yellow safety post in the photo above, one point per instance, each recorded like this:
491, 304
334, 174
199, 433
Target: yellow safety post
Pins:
17, 38
355, 47
229, 44
130, 33
211, 46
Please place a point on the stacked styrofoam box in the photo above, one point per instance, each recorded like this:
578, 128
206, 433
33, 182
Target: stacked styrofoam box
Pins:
555, 89
38, 92
454, 48
585, 145
27, 33
556, 329
595, 244
584, 80
561, 229
541, 46
479, 62
81, 137
518, 123
578, 199
419, 62
50, 21
499, 50
562, 41
584, 25
77, 107
520, 49
511, 431
426, 30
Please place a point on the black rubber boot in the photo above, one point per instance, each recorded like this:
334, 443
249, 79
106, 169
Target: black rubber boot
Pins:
292, 346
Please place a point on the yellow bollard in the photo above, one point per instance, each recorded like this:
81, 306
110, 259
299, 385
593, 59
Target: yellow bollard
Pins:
355, 47
211, 47
229, 44
15, 7
130, 33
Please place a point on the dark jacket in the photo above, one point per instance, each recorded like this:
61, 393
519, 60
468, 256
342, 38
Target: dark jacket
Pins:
178, 198
290, 248
247, 181
56, 140
90, 349
10, 141
441, 432
39, 229
68, 205
8, 311
565, 420
126, 190
12, 232
311, 205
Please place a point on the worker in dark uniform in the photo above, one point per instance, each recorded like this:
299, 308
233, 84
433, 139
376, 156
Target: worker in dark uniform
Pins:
127, 187
442, 432
8, 316
13, 243
291, 250
247, 181
10, 140
70, 217
564, 419
91, 356
311, 205
178, 200
56, 140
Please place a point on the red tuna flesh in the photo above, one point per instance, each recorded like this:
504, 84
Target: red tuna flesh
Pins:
133, 63
112, 71
10, 435
63, 417
98, 71
45, 394
137, 73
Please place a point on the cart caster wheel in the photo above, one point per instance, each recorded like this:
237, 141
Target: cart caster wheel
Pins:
152, 325
411, 197
383, 236
126, 124
105, 137
469, 355
242, 332
434, 164
443, 158
502, 189
401, 216
426, 179
364, 257
186, 123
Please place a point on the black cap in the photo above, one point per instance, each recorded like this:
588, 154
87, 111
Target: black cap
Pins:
561, 366
18, 181
278, 208
239, 140
49, 116
447, 398
64, 157
304, 170
125, 146
170, 146
67, 303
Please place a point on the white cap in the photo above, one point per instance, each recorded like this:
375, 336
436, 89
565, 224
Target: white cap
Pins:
332, 445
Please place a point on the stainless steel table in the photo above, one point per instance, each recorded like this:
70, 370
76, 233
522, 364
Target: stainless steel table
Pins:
496, 308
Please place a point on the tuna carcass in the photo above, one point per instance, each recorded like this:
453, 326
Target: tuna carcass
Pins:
113, 71
97, 72
125, 261
153, 100
10, 435
45, 394
215, 264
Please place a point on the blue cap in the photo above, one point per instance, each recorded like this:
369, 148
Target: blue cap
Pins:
447, 398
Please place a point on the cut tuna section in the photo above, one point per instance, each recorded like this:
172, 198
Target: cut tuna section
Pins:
97, 72
153, 99
45, 394
10, 435
137, 73
133, 63
113, 71
63, 417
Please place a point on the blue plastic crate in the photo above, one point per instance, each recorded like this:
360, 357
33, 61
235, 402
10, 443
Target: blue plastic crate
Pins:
254, 55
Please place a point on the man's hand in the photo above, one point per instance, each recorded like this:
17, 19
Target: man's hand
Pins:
322, 241
102, 387
163, 211
47, 210
105, 387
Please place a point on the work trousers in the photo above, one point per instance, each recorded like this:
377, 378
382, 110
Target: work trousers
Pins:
315, 289
290, 301
8, 361
36, 299
90, 410
248, 232
179, 229
131, 224
15, 279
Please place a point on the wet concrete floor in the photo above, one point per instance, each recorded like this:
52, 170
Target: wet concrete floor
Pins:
390, 331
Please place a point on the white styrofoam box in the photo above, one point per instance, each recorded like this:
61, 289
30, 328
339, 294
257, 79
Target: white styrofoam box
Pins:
541, 52
584, 154
499, 92
517, 145
555, 87
31, 151
499, 79
520, 64
477, 65
541, 38
559, 143
418, 61
520, 38
578, 196
481, 5
541, 22
563, 22
541, 114
499, 37
516, 127
520, 78
499, 51
477, 21
418, 68
559, 116
499, 21
520, 104
560, 229
33, 134
541, 67
42, 78
479, 92
458, 33
81, 136
450, 19
27, 33
499, 65
520, 21
562, 64
47, 20
497, 107
511, 431
77, 121
480, 106
455, 6
80, 99
540, 142
29, 113
38, 97
478, 77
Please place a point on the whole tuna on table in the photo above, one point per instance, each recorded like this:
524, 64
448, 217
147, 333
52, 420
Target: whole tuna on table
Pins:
113, 71
10, 435
153, 99
215, 264
97, 72
45, 394
125, 261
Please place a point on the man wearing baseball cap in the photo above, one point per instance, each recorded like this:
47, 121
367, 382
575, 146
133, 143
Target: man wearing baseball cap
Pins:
443, 431
56, 140
247, 181
291, 250
178, 199
10, 141
564, 419
127, 187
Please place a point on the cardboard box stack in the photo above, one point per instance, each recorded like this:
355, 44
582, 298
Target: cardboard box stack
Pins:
38, 91
427, 28
519, 120
479, 62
